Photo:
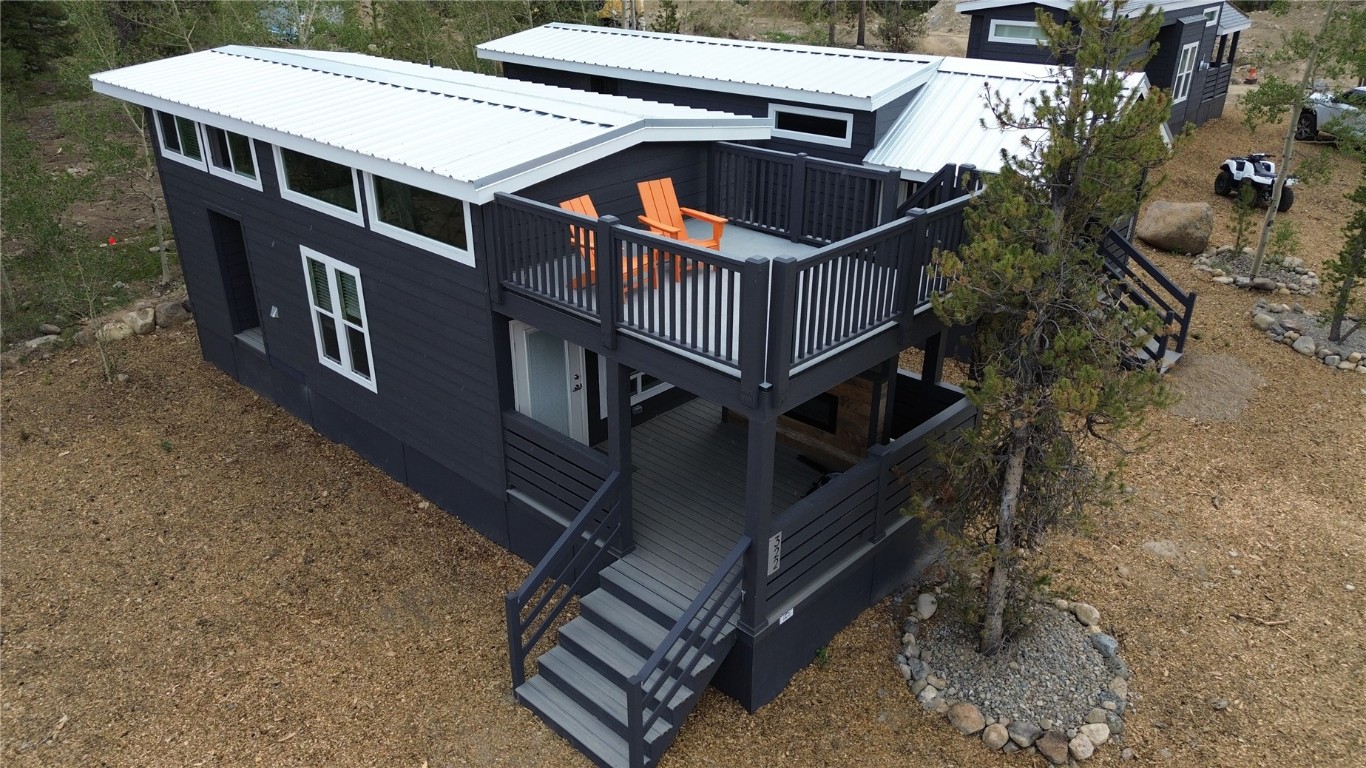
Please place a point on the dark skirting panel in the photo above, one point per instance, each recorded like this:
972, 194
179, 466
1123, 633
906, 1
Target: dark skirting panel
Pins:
372, 443
453, 493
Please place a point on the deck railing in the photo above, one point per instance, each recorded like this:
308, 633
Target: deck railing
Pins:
948, 183
857, 508
758, 319
579, 553
1146, 286
805, 199
679, 656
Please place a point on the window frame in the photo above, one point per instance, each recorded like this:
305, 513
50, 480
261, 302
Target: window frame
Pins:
176, 154
992, 37
308, 201
455, 253
344, 366
1211, 15
812, 138
231, 173
1185, 72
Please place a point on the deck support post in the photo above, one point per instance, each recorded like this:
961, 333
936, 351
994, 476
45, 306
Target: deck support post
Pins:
932, 371
619, 449
796, 200
879, 409
609, 293
892, 380
762, 445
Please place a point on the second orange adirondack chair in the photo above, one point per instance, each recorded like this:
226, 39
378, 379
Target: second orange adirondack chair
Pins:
664, 216
584, 239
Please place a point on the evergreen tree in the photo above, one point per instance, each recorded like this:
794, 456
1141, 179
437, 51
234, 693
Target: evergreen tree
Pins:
33, 35
1345, 274
1053, 354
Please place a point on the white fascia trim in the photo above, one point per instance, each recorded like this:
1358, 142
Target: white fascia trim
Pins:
696, 83
407, 174
464, 256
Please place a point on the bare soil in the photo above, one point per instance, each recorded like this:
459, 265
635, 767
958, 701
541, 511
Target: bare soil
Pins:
190, 576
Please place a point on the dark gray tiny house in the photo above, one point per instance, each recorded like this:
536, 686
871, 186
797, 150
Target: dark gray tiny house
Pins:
1196, 46
713, 452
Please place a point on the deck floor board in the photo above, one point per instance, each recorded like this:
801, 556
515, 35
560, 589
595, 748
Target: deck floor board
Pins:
688, 489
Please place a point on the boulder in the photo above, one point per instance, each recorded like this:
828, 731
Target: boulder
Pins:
142, 321
171, 313
1081, 747
1179, 227
1304, 345
995, 736
1053, 746
967, 718
1097, 733
115, 331
1086, 614
1024, 733
49, 329
925, 605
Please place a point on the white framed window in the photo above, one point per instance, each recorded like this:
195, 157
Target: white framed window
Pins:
339, 323
420, 217
1185, 66
1017, 32
181, 139
232, 156
815, 126
1211, 16
322, 185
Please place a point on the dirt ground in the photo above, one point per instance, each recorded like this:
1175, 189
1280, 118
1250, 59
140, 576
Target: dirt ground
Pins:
191, 577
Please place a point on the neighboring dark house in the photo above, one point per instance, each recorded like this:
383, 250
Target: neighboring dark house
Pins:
1195, 47
711, 447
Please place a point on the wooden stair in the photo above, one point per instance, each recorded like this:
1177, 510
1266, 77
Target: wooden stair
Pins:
580, 691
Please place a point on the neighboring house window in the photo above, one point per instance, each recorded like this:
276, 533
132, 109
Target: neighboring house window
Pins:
419, 217
1211, 16
318, 184
232, 156
339, 324
1018, 32
180, 139
815, 126
1181, 87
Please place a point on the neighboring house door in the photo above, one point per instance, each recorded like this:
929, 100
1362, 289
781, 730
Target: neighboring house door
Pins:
231, 246
548, 380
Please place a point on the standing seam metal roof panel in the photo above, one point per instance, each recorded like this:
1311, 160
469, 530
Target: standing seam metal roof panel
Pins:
468, 135
818, 75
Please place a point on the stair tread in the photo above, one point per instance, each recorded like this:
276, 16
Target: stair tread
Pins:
580, 726
623, 661
606, 607
568, 669
627, 580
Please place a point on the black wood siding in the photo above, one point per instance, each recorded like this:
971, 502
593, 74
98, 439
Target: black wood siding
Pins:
434, 421
612, 181
979, 32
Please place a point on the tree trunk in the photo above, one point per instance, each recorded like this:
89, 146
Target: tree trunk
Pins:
1344, 297
1283, 172
862, 15
998, 583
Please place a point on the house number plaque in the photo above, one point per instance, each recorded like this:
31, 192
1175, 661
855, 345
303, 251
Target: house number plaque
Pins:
775, 552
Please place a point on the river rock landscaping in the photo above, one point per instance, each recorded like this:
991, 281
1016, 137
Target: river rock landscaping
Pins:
1059, 689
1306, 332
1282, 275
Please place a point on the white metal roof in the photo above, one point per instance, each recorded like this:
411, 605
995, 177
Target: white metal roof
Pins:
943, 123
459, 133
838, 77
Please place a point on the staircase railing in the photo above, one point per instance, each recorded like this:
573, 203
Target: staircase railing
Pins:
1148, 287
575, 556
948, 183
678, 657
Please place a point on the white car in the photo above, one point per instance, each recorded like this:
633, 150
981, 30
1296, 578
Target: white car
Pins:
1333, 113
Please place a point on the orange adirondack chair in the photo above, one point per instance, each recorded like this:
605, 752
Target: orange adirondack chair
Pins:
664, 216
584, 239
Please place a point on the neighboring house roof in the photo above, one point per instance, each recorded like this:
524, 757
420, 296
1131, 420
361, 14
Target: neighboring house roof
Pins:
838, 77
1230, 19
458, 133
944, 121
1133, 8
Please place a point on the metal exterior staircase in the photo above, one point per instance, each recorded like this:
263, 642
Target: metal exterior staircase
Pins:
582, 689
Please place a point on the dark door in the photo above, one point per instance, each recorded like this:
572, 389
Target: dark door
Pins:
232, 257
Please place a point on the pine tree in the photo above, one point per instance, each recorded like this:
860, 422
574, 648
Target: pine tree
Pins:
1053, 355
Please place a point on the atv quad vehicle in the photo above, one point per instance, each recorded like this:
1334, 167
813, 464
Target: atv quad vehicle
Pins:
1258, 172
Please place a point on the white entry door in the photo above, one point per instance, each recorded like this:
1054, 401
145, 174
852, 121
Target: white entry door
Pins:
548, 380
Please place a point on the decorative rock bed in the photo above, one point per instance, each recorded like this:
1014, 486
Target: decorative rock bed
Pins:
1283, 275
1059, 689
144, 317
1306, 332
